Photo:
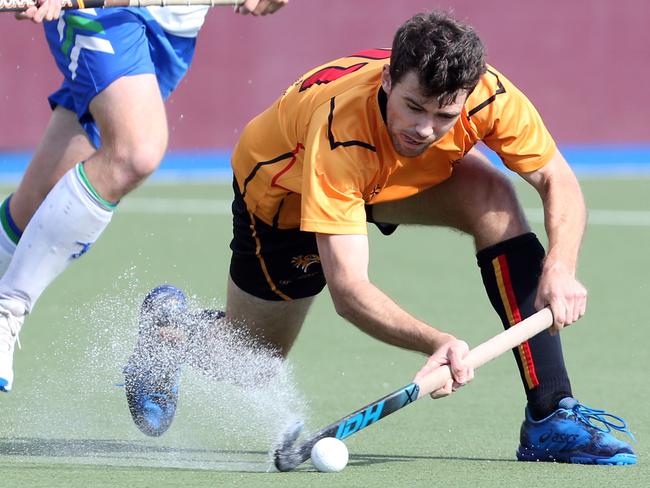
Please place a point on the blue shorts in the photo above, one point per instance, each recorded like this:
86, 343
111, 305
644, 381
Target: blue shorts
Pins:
93, 48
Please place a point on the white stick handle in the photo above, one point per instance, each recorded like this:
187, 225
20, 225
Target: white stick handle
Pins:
20, 5
169, 3
491, 349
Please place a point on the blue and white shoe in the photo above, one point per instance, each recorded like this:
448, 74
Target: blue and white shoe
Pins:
152, 373
570, 435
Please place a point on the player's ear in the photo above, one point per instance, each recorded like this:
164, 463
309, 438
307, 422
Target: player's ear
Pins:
386, 83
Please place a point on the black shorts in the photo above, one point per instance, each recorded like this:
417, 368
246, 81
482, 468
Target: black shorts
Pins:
276, 264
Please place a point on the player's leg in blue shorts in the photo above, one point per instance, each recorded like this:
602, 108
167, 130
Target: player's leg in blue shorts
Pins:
118, 65
95, 47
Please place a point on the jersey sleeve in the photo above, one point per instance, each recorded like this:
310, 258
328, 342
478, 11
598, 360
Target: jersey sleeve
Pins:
333, 182
515, 130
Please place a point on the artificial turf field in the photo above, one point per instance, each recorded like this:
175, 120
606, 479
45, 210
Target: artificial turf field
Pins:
66, 424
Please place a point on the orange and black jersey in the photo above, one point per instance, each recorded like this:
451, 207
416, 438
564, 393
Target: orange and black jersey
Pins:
322, 150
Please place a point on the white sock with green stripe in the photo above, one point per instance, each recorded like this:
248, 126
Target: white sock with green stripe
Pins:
9, 236
66, 224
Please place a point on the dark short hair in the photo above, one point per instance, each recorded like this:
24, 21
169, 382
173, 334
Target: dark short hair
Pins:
446, 55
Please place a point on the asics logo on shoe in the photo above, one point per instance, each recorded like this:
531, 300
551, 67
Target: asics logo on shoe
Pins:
558, 437
575, 434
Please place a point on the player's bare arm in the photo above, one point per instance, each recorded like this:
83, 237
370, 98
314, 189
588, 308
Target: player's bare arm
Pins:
44, 11
345, 264
565, 218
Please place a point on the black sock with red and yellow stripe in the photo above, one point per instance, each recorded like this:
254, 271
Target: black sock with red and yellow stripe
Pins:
510, 272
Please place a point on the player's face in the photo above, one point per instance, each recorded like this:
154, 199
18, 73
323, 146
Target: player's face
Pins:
415, 121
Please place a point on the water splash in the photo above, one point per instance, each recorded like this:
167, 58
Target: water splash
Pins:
235, 399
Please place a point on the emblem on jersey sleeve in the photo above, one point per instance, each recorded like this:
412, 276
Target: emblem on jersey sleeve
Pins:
329, 74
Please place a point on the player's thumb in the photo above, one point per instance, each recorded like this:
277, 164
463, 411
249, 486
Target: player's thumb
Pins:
460, 369
433, 363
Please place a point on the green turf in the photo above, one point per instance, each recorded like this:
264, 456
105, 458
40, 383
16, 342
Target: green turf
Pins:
66, 423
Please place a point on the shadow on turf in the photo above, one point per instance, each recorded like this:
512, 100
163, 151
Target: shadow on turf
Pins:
370, 459
33, 446
103, 451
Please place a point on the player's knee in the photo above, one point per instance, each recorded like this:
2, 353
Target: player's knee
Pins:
497, 213
499, 194
145, 159
133, 163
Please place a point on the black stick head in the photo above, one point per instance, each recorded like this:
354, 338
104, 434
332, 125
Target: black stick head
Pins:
286, 457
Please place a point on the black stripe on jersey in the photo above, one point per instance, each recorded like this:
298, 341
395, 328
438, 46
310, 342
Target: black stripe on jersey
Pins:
282, 157
382, 101
500, 89
276, 217
334, 144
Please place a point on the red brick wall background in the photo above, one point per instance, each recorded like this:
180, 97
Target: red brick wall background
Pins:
584, 63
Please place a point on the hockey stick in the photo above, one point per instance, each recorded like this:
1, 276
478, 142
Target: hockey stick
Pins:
20, 5
288, 456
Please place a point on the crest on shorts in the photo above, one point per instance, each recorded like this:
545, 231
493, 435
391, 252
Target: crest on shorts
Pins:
305, 261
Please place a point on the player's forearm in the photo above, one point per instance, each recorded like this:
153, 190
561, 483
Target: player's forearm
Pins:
565, 217
565, 213
376, 314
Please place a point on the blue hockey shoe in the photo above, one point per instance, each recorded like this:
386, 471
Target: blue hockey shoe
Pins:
577, 434
152, 373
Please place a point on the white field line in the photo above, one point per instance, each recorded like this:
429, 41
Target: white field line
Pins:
176, 206
195, 206
634, 218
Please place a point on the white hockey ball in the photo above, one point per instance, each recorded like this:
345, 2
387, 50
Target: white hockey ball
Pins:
329, 455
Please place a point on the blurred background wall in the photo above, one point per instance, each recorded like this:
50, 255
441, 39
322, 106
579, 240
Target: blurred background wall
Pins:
584, 63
